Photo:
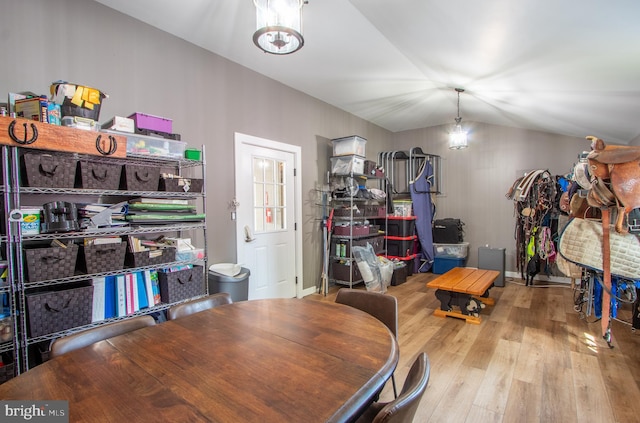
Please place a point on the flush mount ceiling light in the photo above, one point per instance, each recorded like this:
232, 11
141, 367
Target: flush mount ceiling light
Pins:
458, 138
279, 25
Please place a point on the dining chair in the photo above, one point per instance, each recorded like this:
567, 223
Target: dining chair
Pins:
91, 336
383, 307
200, 304
402, 409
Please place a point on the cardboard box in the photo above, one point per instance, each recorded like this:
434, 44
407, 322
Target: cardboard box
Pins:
119, 123
33, 108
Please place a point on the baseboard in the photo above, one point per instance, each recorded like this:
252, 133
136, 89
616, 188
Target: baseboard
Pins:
309, 291
541, 278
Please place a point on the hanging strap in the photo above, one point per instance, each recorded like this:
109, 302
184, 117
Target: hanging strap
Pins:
606, 279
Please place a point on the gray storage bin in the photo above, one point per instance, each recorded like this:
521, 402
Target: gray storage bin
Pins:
236, 286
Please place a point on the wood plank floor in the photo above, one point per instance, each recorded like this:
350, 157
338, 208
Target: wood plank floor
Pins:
532, 359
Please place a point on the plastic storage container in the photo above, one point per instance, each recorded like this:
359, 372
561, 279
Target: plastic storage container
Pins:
236, 286
345, 165
349, 145
443, 265
401, 225
145, 145
189, 255
451, 250
403, 208
152, 123
400, 246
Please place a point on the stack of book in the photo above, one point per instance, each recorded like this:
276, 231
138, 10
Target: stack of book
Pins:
159, 210
153, 246
96, 215
122, 295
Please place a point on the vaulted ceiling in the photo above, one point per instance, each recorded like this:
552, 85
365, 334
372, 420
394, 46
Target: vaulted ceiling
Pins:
569, 67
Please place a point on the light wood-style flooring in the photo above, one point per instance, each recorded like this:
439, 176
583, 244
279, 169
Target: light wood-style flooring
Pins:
532, 359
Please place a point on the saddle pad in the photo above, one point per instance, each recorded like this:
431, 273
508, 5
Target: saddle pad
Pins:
581, 243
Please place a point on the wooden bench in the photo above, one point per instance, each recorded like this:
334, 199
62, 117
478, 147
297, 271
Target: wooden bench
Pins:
458, 286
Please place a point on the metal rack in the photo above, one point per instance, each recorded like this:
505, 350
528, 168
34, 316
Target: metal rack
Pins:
351, 201
403, 167
14, 194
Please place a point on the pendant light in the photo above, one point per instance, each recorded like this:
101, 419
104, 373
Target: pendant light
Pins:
458, 138
279, 26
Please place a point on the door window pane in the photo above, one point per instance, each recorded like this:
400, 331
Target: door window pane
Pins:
269, 202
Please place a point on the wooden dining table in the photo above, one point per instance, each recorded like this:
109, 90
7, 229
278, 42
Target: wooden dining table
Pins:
279, 360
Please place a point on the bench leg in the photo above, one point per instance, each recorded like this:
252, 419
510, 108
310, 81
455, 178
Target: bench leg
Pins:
445, 299
469, 319
468, 305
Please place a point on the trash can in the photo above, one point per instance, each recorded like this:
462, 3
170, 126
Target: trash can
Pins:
237, 286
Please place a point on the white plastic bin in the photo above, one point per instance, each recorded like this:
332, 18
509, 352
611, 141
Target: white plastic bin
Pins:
451, 250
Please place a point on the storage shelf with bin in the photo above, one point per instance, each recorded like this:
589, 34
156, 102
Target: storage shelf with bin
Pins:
354, 210
401, 242
57, 271
9, 354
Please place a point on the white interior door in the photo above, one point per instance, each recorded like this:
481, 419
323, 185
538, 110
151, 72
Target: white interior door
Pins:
266, 235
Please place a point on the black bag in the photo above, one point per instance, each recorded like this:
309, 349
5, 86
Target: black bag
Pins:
448, 231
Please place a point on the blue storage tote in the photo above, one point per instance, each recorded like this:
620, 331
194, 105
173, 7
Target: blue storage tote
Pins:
443, 265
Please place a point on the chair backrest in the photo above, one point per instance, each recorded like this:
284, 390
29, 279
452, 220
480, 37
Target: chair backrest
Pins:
201, 304
91, 336
404, 408
383, 307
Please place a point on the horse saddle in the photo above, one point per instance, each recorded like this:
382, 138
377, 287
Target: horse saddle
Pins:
615, 178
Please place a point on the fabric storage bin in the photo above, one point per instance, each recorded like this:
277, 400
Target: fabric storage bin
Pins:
7, 372
377, 243
77, 100
355, 230
181, 184
6, 322
141, 178
54, 311
375, 211
99, 175
103, 257
48, 171
181, 284
50, 262
341, 272
146, 258
348, 212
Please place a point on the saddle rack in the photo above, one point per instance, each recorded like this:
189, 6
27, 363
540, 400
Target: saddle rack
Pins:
403, 167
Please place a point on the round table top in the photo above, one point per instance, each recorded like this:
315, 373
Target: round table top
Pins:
264, 360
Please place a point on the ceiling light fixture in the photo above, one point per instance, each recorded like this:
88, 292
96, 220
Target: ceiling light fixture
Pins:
458, 138
279, 25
